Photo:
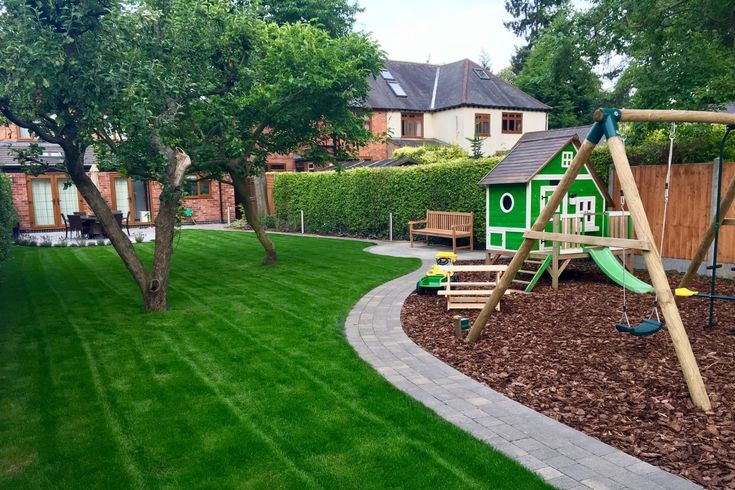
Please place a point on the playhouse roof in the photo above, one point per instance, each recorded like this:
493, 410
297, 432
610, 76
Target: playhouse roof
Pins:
532, 152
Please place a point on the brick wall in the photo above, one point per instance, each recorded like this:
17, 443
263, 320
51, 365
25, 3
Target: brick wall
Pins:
205, 209
376, 150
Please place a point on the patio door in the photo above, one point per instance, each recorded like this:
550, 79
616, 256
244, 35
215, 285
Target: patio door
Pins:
50, 196
132, 196
43, 202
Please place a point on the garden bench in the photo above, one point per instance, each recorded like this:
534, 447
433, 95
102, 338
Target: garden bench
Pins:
445, 224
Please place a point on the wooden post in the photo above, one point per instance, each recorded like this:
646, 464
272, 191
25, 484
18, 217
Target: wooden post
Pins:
709, 235
520, 256
675, 327
652, 115
555, 255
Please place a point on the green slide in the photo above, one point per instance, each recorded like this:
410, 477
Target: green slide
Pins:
613, 268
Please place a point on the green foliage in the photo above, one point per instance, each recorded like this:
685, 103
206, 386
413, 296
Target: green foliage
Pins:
531, 16
694, 143
680, 54
358, 202
8, 216
476, 146
432, 153
507, 74
556, 74
334, 16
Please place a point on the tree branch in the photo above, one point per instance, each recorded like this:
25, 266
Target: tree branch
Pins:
12, 117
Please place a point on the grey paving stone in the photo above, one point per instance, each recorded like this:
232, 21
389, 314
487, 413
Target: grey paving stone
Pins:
531, 463
529, 444
602, 484
563, 481
579, 472
549, 473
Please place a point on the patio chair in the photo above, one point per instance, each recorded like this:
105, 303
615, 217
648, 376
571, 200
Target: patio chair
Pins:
66, 226
119, 218
75, 223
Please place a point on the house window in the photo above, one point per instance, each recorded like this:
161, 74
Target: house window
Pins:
587, 205
195, 187
412, 125
512, 122
482, 124
507, 202
367, 122
276, 167
566, 158
24, 134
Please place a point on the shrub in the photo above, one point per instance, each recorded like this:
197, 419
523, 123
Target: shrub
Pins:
46, 241
8, 216
358, 202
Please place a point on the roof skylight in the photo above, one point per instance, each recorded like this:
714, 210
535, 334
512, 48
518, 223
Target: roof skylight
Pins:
482, 74
387, 75
397, 89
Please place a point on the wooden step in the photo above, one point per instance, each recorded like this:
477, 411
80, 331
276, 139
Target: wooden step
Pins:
539, 262
479, 283
465, 292
521, 282
522, 271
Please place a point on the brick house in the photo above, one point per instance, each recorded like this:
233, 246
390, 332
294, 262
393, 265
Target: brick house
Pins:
420, 103
41, 200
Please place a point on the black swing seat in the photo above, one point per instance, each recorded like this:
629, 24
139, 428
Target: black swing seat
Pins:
646, 327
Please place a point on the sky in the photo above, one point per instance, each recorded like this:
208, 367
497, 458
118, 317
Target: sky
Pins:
440, 31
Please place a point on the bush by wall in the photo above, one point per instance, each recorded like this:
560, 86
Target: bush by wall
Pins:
358, 202
8, 216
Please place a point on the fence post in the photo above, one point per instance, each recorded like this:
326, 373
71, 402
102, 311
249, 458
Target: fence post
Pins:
390, 227
228, 216
302, 221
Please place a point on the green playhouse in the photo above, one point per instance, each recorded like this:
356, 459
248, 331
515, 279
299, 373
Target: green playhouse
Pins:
516, 191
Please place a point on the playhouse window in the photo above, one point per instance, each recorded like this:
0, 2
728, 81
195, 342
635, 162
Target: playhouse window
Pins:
506, 202
566, 158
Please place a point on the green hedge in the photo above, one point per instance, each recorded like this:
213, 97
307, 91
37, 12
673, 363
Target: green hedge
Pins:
358, 202
8, 216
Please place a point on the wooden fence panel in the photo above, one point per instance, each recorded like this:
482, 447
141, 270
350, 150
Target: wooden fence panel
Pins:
690, 195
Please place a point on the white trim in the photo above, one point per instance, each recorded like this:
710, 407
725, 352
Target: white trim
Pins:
562, 208
528, 205
566, 158
512, 202
561, 176
436, 82
487, 214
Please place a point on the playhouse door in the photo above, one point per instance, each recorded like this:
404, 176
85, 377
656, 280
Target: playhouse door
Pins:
546, 192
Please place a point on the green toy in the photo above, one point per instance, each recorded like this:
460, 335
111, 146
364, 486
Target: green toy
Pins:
435, 279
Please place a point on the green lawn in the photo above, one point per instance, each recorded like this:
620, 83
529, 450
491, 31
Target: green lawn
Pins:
247, 382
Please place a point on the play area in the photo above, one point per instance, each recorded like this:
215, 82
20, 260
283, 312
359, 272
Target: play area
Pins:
642, 360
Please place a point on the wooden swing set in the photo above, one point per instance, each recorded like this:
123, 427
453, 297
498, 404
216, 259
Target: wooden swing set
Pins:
606, 124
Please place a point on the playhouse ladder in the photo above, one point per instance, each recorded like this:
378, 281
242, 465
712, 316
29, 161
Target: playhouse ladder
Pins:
542, 266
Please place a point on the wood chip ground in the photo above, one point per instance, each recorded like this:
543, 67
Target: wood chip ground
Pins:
559, 353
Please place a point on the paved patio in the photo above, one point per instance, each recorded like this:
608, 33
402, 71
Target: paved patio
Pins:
57, 238
564, 457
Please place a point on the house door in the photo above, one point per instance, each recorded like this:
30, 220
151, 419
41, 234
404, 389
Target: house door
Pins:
43, 202
121, 193
51, 196
141, 207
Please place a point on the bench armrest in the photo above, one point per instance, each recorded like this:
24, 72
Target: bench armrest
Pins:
421, 221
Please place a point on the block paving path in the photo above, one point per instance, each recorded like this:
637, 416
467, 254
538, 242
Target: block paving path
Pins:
564, 457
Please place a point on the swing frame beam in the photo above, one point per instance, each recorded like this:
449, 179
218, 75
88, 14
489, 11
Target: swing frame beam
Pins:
606, 123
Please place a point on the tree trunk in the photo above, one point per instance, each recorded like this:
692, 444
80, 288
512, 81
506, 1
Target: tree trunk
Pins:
74, 161
153, 286
251, 215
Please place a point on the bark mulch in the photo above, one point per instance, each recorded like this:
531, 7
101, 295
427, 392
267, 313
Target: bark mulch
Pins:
559, 353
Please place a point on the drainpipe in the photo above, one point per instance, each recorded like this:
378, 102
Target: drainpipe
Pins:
221, 210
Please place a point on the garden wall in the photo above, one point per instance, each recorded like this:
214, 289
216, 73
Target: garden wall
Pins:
359, 202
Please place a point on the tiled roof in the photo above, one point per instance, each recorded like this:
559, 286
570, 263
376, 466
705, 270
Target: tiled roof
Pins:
532, 152
53, 154
438, 87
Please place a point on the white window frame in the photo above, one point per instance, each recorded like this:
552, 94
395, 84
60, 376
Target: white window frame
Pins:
512, 202
566, 158
586, 204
